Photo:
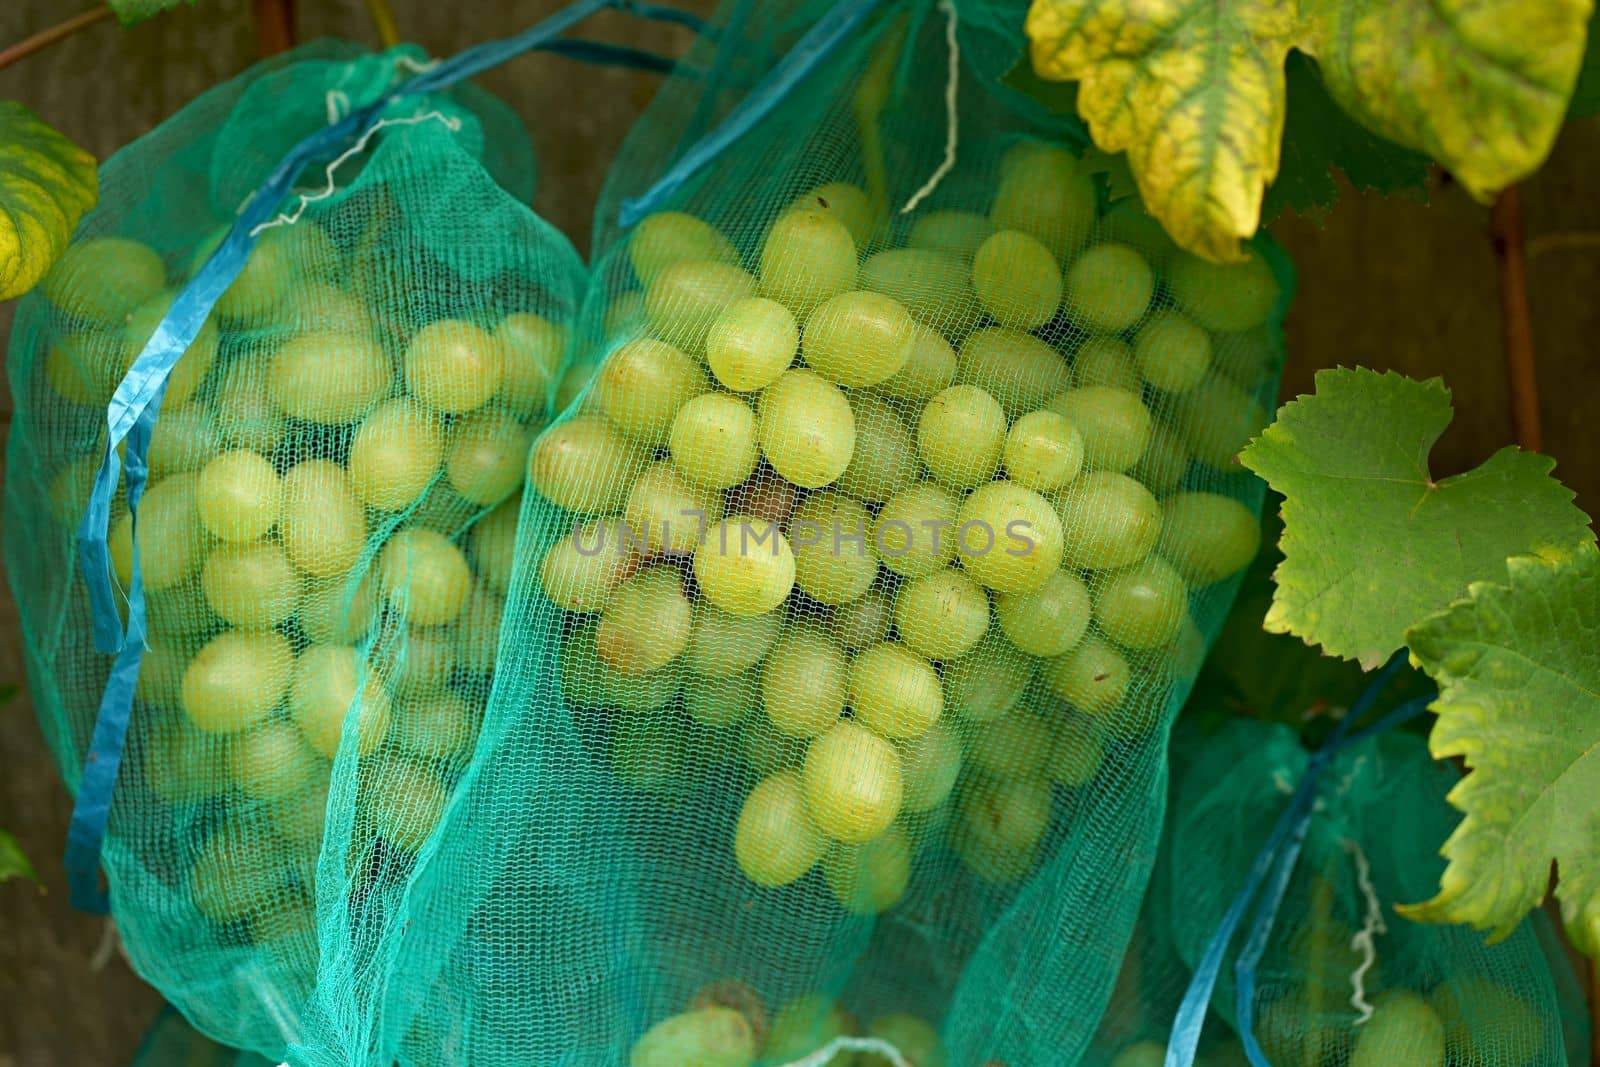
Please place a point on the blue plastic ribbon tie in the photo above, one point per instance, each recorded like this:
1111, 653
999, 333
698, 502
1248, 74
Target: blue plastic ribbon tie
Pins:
132, 411
796, 65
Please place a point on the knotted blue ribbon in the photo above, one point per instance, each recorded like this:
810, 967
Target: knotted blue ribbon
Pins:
1274, 866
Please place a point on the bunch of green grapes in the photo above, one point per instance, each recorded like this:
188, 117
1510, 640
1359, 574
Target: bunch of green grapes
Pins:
325, 545
913, 518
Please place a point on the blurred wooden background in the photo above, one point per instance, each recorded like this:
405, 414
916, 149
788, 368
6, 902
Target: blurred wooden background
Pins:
1383, 283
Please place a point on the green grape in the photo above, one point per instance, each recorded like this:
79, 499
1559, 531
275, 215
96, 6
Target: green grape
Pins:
1006, 815
69, 489
1185, 653
929, 370
858, 338
238, 873
1143, 606
1217, 419
103, 278
722, 702
1041, 192
1047, 621
960, 434
332, 613
804, 1025
869, 878
807, 430
852, 783
1142, 1054
1105, 361
957, 233
914, 531
942, 615
272, 761
252, 586
319, 305
1115, 425
478, 631
713, 441
581, 571
625, 315
160, 678
804, 683
182, 765
282, 259
180, 613
238, 496
765, 749
847, 203
885, 458
170, 537
666, 514
807, 258
247, 414
425, 577
832, 561
413, 660
493, 540
192, 367
1108, 288
1402, 1029
440, 727
1075, 756
1010, 748
894, 692
667, 237
395, 454
1225, 297
1250, 356
184, 439
646, 624
1043, 451
722, 644
328, 378
1009, 536
916, 1040
642, 385
1164, 462
683, 301
1017, 279
1173, 353
80, 371
987, 682
329, 681
774, 841
744, 565
320, 522
1110, 520
486, 456
1016, 368
709, 1037
864, 621
934, 287
931, 763
574, 380
751, 343
405, 801
1482, 1018
1207, 536
236, 680
531, 347
454, 366
1092, 677
590, 682
1127, 223
648, 753
584, 465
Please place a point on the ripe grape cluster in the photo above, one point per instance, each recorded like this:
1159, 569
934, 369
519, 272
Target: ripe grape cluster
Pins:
909, 517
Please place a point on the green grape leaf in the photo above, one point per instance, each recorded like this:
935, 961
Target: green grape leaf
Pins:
46, 184
1319, 138
1371, 542
13, 864
1586, 96
1518, 667
1120, 182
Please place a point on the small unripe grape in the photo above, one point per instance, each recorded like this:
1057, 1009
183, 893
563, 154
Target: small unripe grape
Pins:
413, 660
722, 702
688, 296
191, 368
764, 750
806, 427
1110, 520
453, 366
1043, 451
80, 369
894, 692
852, 783
1143, 606
960, 435
1017, 279
1217, 419
1402, 1029
486, 456
1011, 748
331, 612
252, 586
1042, 192
321, 524
935, 287
1076, 755
184, 439
1225, 297
239, 496
584, 465
1127, 223
1142, 1054
272, 761
956, 232
834, 564
425, 577
751, 343
395, 454
1164, 462
642, 385
929, 370
858, 338
917, 1041
1207, 536
248, 413
319, 305
405, 801
804, 1025
493, 540
1011, 814
847, 203
930, 763
236, 680
808, 257
709, 1037
1049, 620
666, 514
804, 683
1009, 537
581, 570
885, 458
1115, 425
914, 532
774, 840
103, 278
713, 441
531, 347
329, 378
942, 615
1173, 353
328, 682
1016, 368
667, 237
183, 765
478, 631
870, 878
723, 644
864, 621
987, 682
283, 257
171, 538
1105, 361
238, 873
1092, 677
646, 624
1108, 288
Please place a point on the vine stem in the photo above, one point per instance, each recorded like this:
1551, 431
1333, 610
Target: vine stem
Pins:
383, 23
274, 26
1510, 249
44, 38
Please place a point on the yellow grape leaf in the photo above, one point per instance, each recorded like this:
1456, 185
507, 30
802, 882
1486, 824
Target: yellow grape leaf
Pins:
46, 184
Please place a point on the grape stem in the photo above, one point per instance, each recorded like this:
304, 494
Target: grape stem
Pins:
274, 26
44, 38
1510, 249
383, 23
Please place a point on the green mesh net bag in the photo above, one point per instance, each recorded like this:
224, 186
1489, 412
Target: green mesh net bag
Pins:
325, 517
172, 1042
867, 572
1340, 978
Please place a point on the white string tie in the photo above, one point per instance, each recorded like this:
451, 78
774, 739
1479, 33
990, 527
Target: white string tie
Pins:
952, 130
1364, 940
